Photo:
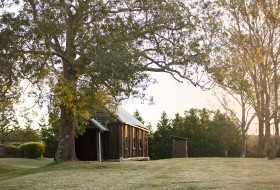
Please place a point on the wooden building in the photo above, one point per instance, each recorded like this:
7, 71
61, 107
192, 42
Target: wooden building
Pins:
180, 147
113, 136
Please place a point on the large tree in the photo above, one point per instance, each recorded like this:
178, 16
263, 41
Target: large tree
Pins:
96, 53
253, 42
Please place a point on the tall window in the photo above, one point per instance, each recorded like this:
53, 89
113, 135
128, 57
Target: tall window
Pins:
134, 137
126, 137
140, 140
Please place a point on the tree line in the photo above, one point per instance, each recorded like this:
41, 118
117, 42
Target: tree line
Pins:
209, 134
47, 132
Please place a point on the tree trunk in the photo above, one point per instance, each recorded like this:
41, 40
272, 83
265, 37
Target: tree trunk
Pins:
274, 141
261, 143
66, 143
226, 153
243, 146
274, 147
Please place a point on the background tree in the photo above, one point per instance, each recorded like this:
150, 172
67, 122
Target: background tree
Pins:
161, 146
49, 134
178, 126
95, 53
209, 133
246, 118
253, 44
195, 132
23, 135
270, 10
138, 116
225, 135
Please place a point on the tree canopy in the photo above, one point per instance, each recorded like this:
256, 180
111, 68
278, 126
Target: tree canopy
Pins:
96, 53
250, 63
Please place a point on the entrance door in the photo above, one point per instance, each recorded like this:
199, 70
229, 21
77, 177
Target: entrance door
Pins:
86, 146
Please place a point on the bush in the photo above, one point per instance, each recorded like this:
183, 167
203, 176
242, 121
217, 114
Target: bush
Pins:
32, 150
51, 146
16, 144
12, 151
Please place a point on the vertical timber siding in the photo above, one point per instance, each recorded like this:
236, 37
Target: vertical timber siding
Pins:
134, 142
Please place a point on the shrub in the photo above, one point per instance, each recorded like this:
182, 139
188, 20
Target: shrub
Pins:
12, 151
2, 151
32, 150
16, 144
51, 146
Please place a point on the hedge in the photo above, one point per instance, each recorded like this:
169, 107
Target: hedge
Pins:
32, 150
12, 151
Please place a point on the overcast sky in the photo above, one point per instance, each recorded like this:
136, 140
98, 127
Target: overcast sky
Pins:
172, 97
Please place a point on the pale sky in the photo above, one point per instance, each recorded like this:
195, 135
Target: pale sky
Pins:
169, 96
172, 97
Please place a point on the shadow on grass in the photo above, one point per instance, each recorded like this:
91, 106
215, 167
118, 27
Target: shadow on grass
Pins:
12, 171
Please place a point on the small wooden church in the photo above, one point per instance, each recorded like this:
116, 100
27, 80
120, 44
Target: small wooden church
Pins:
113, 136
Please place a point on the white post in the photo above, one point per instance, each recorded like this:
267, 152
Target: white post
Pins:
99, 147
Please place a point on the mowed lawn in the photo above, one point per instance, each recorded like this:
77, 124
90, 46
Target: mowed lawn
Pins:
190, 173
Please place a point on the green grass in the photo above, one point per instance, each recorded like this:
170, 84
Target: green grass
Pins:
15, 167
191, 173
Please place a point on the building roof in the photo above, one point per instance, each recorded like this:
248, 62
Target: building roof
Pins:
125, 117
179, 138
101, 127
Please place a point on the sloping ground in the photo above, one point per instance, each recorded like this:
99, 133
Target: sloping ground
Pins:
191, 173
14, 167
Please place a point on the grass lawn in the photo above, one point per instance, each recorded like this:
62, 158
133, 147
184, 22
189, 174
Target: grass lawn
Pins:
191, 173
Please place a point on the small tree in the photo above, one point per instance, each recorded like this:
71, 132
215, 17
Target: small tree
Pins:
49, 134
138, 116
161, 147
224, 133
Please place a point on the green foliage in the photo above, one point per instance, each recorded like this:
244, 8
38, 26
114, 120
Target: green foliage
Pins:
12, 151
50, 146
137, 115
96, 53
150, 128
224, 135
7, 124
49, 134
32, 150
208, 135
23, 135
160, 143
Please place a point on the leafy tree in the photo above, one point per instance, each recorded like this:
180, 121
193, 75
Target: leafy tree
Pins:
161, 146
28, 122
138, 116
23, 135
195, 132
225, 134
49, 134
251, 43
96, 53
150, 128
246, 118
178, 125
7, 126
4, 128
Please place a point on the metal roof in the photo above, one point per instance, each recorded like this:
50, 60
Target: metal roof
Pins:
101, 127
127, 118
